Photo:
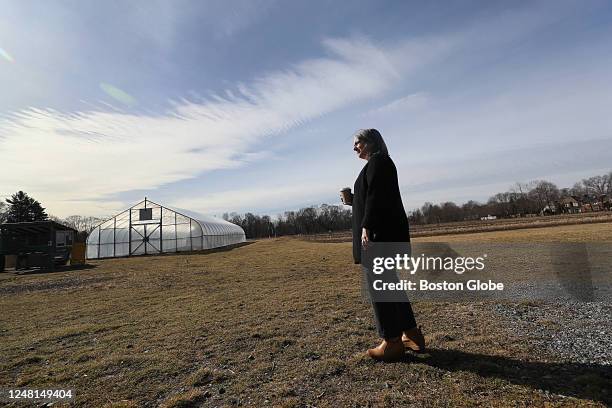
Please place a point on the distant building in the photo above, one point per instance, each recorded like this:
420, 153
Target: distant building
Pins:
488, 217
592, 207
570, 205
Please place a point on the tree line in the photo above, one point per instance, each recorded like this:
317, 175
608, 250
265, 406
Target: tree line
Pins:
535, 197
309, 220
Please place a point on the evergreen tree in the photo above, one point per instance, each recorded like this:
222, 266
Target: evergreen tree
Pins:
23, 208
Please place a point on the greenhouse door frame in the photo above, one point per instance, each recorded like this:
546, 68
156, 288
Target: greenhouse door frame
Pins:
145, 238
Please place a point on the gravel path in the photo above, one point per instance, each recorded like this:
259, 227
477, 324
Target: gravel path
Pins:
578, 332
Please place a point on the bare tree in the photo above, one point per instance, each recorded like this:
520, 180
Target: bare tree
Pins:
544, 193
451, 212
597, 185
416, 217
523, 188
81, 223
502, 204
577, 190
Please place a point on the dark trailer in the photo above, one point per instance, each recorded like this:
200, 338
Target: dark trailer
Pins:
36, 244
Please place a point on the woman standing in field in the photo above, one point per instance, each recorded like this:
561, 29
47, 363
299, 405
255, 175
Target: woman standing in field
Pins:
379, 216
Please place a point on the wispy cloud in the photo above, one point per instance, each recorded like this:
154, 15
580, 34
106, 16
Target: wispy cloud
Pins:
94, 153
401, 105
268, 197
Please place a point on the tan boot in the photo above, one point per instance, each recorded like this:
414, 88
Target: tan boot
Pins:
388, 350
413, 340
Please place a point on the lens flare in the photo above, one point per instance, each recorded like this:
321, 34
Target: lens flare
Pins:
118, 94
6, 55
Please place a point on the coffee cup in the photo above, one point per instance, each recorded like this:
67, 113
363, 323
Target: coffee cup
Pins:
346, 196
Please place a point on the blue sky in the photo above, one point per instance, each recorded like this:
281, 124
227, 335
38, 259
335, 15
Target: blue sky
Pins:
220, 106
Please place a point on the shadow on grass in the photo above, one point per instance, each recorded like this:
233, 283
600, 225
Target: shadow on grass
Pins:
179, 253
226, 248
40, 271
183, 253
586, 381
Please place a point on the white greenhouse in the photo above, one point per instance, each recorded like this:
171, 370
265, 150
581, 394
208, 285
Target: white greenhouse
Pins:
148, 228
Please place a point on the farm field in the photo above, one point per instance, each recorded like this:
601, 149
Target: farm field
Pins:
510, 223
590, 232
281, 322
478, 226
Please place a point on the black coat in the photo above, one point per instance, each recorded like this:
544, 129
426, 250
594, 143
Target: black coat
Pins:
377, 205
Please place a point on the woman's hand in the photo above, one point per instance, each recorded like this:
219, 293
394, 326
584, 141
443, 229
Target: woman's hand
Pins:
364, 238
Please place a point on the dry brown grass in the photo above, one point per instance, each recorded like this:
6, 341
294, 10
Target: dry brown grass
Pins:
279, 322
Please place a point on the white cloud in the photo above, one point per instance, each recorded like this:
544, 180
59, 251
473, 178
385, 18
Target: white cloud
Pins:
414, 101
272, 196
88, 155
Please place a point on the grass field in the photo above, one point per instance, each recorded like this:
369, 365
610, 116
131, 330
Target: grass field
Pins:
277, 322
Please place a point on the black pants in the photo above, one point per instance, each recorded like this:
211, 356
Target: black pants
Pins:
394, 316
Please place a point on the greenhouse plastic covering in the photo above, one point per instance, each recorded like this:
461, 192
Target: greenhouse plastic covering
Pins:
149, 228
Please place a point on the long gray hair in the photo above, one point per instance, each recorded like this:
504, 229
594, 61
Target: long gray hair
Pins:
373, 140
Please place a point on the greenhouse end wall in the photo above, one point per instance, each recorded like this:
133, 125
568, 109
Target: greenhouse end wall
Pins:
149, 228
